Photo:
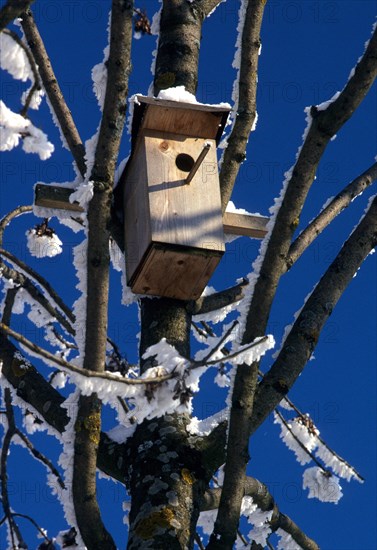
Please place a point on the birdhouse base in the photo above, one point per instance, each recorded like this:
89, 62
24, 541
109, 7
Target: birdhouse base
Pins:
174, 271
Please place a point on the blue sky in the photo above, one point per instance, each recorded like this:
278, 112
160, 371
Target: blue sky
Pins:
308, 50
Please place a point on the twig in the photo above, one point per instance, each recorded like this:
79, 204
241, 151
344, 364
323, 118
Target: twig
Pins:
196, 364
40, 456
199, 541
41, 531
299, 442
304, 417
220, 343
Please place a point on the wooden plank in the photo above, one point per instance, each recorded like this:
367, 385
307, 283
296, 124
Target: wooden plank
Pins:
191, 119
245, 224
181, 214
181, 121
174, 272
53, 196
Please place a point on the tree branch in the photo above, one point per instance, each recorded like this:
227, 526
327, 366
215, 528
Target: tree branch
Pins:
5, 221
88, 427
235, 152
9, 434
264, 500
216, 301
324, 218
303, 337
50, 83
11, 10
324, 125
27, 284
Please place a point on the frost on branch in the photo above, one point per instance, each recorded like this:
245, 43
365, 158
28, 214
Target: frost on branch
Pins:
286, 542
43, 242
14, 127
13, 59
322, 485
259, 519
296, 431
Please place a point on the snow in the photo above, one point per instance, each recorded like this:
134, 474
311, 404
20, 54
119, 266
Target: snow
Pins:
83, 194
99, 72
79, 307
296, 428
66, 462
286, 542
322, 486
14, 127
180, 94
337, 465
119, 264
14, 59
323, 106
42, 246
36, 98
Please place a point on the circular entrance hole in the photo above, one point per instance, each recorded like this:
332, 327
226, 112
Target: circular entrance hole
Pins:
184, 162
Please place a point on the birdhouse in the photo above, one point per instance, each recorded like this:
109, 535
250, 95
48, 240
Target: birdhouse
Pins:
174, 236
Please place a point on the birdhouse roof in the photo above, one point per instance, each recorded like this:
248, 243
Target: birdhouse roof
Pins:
177, 117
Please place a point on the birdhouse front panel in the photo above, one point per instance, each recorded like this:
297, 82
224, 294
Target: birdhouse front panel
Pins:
172, 206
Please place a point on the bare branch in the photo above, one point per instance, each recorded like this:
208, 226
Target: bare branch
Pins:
11, 10
235, 153
338, 203
303, 337
50, 83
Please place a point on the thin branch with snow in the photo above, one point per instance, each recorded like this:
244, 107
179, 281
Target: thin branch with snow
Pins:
326, 216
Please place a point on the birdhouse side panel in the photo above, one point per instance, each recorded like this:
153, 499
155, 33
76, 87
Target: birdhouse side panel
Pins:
183, 214
137, 224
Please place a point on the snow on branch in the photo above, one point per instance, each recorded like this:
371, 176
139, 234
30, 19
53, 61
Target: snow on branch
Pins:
14, 127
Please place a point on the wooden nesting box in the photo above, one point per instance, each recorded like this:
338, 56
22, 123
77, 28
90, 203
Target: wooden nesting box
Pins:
174, 235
